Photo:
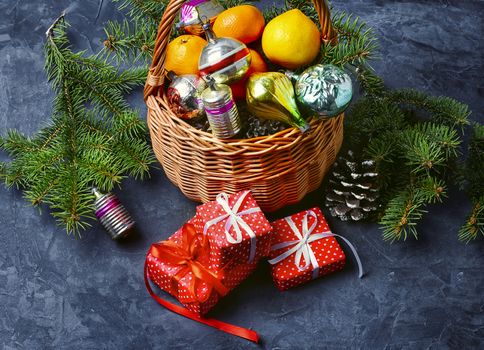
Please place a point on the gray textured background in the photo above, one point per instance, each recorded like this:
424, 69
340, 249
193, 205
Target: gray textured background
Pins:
59, 292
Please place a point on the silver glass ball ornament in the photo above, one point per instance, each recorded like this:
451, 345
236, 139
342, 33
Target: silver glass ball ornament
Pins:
184, 95
323, 90
226, 60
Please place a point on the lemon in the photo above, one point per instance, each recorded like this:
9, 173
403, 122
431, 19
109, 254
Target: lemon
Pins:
291, 40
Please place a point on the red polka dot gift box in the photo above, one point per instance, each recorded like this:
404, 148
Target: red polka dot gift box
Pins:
303, 248
237, 229
180, 266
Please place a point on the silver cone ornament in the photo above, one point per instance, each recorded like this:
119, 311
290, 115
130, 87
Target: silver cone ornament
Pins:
112, 215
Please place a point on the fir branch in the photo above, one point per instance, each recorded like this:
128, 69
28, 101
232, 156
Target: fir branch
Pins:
71, 200
473, 183
412, 156
431, 190
443, 110
474, 223
419, 153
232, 3
356, 51
371, 83
94, 137
473, 171
401, 216
130, 42
349, 26
305, 6
144, 10
371, 118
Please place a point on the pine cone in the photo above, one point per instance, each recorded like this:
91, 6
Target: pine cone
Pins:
353, 192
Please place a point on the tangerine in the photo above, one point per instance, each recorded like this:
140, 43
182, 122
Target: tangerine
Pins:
182, 54
244, 23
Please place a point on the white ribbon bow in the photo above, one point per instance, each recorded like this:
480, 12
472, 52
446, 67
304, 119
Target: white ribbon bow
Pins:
302, 246
234, 219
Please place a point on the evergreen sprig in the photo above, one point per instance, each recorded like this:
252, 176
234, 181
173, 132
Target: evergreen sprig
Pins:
401, 216
473, 183
357, 42
133, 39
130, 41
143, 10
445, 110
93, 139
415, 141
474, 224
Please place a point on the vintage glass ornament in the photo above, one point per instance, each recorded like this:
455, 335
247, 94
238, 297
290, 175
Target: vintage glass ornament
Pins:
323, 90
192, 11
112, 215
184, 95
226, 60
222, 113
271, 96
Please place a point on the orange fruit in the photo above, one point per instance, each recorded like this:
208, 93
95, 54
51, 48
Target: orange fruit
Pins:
257, 65
182, 54
244, 23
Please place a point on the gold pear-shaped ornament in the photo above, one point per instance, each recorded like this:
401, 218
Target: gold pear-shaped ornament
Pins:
271, 96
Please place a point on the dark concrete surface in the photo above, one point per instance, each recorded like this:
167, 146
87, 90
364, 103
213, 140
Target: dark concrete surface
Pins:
57, 292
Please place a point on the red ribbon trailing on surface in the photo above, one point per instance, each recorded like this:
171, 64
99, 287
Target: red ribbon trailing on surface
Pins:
185, 255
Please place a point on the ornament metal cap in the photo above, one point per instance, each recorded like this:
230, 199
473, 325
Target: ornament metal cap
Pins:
112, 214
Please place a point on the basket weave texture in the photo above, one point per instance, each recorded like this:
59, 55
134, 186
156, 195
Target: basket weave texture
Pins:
279, 169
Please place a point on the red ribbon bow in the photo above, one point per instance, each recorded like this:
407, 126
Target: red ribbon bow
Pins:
193, 245
186, 255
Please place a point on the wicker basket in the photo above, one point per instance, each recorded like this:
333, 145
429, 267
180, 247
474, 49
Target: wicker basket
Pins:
279, 169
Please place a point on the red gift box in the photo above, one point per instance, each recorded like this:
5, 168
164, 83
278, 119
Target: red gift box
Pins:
237, 229
304, 249
180, 267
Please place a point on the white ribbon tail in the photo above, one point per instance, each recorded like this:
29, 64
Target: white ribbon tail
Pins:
355, 253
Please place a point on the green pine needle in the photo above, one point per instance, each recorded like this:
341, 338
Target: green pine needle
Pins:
130, 41
415, 140
147, 10
474, 223
443, 110
401, 216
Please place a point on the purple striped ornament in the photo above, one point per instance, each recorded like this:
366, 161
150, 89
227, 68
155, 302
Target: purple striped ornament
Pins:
112, 214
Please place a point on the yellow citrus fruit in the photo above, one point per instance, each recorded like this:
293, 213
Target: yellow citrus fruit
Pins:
291, 40
257, 65
182, 54
244, 23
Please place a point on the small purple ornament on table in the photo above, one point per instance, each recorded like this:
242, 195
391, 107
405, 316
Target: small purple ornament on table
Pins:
112, 214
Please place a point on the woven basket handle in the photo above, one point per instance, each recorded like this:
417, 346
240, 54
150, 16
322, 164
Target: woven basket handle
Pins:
156, 74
